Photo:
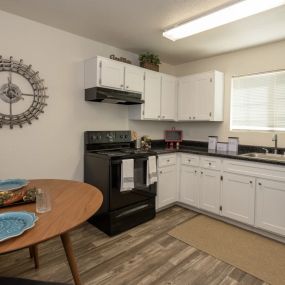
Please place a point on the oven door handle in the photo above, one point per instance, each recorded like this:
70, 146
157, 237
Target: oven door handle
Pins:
119, 161
131, 211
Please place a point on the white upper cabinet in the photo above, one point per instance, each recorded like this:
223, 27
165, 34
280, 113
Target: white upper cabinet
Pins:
108, 73
152, 94
186, 100
200, 97
168, 97
134, 78
111, 74
204, 97
197, 97
160, 98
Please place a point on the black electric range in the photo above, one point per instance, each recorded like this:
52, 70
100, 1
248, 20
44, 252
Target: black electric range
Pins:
104, 153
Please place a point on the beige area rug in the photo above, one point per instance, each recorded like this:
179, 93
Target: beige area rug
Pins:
252, 253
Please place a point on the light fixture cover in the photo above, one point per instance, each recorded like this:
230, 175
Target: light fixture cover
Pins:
221, 17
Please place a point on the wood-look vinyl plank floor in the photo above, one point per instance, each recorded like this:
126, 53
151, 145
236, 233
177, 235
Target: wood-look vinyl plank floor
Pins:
144, 255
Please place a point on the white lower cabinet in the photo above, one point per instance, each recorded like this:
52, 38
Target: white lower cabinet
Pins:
189, 183
166, 186
209, 190
270, 205
237, 197
253, 194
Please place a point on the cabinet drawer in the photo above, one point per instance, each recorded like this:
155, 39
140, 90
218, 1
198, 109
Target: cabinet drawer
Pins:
189, 159
210, 162
256, 169
166, 160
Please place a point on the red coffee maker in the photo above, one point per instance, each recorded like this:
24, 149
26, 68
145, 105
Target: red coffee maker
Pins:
173, 138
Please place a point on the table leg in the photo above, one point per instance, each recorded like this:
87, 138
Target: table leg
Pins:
31, 252
70, 257
34, 254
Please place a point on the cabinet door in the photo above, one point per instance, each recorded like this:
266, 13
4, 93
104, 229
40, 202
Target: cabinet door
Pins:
168, 97
238, 194
111, 74
189, 185
270, 206
152, 93
186, 98
134, 79
203, 96
167, 186
209, 192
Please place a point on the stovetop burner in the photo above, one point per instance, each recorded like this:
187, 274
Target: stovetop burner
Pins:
112, 144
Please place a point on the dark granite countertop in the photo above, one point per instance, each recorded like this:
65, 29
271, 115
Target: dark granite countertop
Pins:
201, 148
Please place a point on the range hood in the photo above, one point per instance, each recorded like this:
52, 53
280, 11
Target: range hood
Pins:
105, 95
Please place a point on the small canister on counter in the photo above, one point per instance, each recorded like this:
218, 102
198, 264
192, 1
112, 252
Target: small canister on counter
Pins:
136, 140
212, 143
222, 146
233, 144
138, 143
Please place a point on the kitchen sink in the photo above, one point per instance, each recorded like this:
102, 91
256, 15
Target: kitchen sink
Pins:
265, 156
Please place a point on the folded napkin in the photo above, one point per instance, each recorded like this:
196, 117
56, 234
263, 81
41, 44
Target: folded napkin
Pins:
151, 170
127, 175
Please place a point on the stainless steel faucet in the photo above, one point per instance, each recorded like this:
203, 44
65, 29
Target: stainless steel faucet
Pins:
266, 150
275, 140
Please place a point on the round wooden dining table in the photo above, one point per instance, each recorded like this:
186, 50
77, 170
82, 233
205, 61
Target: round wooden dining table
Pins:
72, 204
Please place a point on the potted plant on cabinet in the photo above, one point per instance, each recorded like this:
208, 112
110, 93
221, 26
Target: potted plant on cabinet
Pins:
150, 61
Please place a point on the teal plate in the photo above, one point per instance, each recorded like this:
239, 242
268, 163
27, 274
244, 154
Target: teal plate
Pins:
13, 224
12, 184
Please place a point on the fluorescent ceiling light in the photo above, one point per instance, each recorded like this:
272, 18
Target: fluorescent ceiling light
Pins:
221, 17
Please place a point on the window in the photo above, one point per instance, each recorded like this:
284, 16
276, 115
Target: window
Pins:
258, 102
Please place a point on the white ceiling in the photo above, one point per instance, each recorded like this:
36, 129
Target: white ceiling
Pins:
137, 25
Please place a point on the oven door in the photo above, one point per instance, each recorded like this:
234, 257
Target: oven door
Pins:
141, 191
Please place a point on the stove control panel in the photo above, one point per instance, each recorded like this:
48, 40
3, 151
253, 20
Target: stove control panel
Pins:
103, 137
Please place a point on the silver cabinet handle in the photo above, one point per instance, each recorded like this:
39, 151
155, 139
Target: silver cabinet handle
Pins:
163, 117
250, 182
160, 172
190, 118
210, 163
122, 85
201, 172
127, 87
259, 183
158, 116
194, 118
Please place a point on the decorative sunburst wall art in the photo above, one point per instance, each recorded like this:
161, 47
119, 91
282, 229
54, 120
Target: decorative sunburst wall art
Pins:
22, 93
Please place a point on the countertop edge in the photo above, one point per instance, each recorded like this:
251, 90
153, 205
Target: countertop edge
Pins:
160, 151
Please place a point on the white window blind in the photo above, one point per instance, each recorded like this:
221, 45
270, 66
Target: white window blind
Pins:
258, 102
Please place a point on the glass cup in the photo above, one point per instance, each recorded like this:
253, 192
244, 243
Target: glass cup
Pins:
43, 201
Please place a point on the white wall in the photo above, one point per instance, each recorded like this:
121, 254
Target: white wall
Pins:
52, 147
259, 59
152, 128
